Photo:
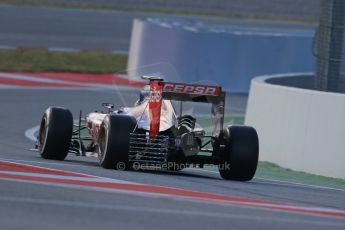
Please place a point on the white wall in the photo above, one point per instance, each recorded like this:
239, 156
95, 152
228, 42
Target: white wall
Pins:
299, 129
230, 56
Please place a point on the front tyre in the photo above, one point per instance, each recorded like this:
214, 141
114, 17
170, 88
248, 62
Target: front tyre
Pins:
241, 153
114, 141
55, 133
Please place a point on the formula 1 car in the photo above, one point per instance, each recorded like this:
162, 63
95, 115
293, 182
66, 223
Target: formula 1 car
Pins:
152, 134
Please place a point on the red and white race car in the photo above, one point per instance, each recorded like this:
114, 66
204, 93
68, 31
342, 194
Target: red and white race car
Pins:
151, 134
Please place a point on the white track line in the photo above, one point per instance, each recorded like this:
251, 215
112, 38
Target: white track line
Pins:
45, 168
41, 162
166, 211
88, 176
286, 207
31, 78
80, 85
30, 133
89, 87
52, 81
275, 182
72, 178
64, 49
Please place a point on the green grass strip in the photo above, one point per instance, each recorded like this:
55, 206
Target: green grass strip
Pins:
272, 171
267, 170
76, 62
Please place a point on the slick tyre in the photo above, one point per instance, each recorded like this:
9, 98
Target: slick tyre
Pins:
55, 133
114, 141
241, 153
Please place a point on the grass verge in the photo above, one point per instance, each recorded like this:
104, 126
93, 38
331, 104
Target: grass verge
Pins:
272, 171
44, 61
267, 170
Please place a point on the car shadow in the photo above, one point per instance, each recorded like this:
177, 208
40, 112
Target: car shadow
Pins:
181, 173
86, 162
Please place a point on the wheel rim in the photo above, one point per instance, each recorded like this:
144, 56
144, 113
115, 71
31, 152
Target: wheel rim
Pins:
43, 133
102, 144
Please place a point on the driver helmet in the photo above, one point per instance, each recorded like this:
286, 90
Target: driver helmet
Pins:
144, 93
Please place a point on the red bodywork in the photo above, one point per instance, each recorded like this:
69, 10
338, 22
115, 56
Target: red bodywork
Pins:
159, 88
155, 104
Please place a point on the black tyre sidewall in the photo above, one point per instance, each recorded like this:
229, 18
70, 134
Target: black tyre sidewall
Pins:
59, 124
117, 129
241, 153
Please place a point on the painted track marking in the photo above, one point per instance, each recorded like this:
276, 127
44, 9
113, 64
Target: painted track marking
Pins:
65, 80
165, 211
30, 133
274, 182
32, 174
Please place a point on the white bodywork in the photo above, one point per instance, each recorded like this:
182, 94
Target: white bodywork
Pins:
142, 115
96, 118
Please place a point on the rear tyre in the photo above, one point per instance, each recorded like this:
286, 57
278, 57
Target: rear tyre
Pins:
55, 133
241, 153
114, 141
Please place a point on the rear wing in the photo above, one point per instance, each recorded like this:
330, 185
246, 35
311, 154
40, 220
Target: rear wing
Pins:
191, 92
160, 90
183, 92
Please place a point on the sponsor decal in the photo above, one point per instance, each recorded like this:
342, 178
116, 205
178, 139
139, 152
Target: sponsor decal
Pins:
155, 103
206, 90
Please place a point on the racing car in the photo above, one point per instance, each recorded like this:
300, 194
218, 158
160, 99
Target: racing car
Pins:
153, 134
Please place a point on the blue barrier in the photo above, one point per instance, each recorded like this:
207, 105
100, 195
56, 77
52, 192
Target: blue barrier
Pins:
229, 56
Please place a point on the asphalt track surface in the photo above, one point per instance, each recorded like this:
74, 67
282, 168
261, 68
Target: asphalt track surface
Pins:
37, 205
73, 29
45, 206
